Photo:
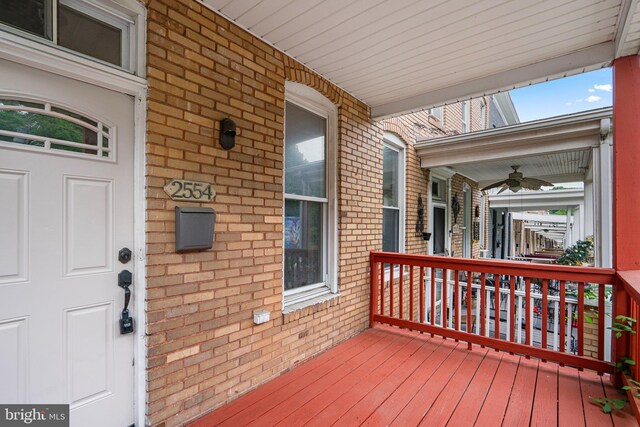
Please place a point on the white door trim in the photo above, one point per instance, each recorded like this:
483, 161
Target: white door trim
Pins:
15, 49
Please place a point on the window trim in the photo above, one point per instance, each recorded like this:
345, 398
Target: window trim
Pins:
483, 114
313, 101
393, 142
466, 114
122, 14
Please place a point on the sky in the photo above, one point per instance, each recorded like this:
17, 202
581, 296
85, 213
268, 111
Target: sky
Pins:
564, 96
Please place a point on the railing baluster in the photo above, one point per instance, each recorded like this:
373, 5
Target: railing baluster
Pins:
433, 297
483, 303
422, 317
443, 308
563, 313
601, 316
519, 317
544, 315
555, 325
411, 293
374, 293
581, 319
392, 307
456, 302
496, 305
512, 305
382, 288
528, 323
469, 298
401, 293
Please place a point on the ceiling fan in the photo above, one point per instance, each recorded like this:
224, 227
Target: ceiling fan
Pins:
517, 181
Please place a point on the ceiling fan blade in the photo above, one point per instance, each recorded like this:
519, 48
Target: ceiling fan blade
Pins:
529, 185
513, 182
538, 182
494, 185
505, 187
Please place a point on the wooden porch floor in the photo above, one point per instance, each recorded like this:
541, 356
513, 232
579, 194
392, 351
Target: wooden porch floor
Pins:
386, 376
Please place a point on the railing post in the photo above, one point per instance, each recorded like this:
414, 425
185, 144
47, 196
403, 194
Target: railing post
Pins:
374, 290
620, 346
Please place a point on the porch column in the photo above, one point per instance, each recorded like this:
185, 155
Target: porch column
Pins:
626, 159
626, 181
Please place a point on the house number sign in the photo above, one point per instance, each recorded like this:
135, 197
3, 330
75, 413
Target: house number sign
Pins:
189, 191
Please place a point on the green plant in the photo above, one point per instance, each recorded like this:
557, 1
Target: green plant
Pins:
621, 325
577, 254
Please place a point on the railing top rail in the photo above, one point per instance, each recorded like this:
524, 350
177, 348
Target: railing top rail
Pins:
512, 268
631, 282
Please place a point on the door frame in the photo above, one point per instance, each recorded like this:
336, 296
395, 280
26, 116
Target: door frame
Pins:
50, 59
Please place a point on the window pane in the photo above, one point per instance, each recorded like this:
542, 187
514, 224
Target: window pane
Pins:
390, 177
85, 34
303, 243
438, 230
305, 148
33, 128
33, 16
390, 230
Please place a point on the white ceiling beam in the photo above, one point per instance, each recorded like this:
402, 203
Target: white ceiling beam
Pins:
627, 9
590, 58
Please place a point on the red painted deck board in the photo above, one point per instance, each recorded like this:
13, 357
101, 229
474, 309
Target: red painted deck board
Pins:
495, 404
356, 406
360, 380
591, 385
570, 412
388, 376
521, 400
448, 399
394, 404
468, 408
367, 361
545, 403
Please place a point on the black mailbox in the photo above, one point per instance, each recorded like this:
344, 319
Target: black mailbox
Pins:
194, 228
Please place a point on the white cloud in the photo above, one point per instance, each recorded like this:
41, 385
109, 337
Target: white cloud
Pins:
592, 98
591, 90
568, 104
606, 87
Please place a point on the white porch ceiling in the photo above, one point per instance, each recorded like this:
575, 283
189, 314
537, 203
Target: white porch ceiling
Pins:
556, 168
557, 149
404, 55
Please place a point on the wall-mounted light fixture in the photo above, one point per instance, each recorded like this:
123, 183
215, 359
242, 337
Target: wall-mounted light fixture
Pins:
455, 205
420, 221
227, 134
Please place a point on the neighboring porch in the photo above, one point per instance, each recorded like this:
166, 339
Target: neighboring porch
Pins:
391, 376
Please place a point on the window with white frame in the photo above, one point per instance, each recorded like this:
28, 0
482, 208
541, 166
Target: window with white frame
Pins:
393, 173
437, 113
310, 253
466, 110
99, 29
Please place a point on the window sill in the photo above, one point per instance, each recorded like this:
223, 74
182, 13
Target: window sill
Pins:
306, 308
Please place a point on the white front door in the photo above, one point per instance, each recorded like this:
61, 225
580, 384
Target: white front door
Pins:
66, 209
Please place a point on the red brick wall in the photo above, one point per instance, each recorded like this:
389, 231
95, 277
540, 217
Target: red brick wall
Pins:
203, 348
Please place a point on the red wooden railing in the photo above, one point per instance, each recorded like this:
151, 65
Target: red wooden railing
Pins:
628, 345
527, 297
